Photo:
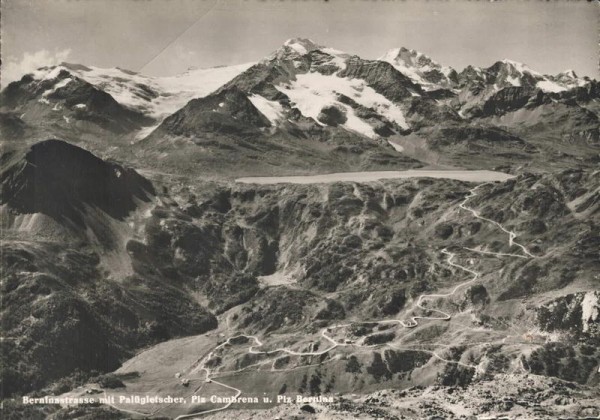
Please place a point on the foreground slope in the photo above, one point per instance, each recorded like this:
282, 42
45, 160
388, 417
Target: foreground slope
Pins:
359, 287
71, 300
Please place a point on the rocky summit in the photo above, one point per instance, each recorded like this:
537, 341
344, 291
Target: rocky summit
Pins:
310, 234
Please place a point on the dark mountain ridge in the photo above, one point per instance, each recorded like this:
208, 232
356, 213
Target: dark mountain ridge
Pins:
58, 179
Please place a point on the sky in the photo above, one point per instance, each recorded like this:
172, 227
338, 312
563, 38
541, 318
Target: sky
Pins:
166, 37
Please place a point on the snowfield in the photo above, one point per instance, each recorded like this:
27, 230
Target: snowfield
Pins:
311, 92
157, 97
270, 109
549, 86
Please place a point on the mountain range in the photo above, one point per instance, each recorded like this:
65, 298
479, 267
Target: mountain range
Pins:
352, 110
136, 261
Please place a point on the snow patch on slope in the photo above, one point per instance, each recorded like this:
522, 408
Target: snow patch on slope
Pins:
299, 48
549, 86
61, 84
312, 91
396, 146
338, 58
590, 309
270, 109
562, 82
513, 80
43, 73
301, 45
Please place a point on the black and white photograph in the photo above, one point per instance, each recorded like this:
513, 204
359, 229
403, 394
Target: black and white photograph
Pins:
299, 209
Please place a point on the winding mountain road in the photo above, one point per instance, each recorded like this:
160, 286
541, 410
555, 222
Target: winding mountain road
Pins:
511, 235
411, 323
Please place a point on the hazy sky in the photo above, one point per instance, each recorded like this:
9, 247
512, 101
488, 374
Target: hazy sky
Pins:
167, 36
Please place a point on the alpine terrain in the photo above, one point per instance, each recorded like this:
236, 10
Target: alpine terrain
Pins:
311, 235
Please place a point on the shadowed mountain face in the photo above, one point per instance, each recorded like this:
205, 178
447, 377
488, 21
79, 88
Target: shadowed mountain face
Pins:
228, 111
59, 180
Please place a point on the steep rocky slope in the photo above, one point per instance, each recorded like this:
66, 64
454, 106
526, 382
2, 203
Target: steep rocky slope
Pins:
58, 180
337, 238
70, 299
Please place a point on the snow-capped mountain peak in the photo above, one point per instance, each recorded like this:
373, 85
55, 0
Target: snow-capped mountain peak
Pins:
568, 79
293, 48
410, 58
512, 73
420, 68
154, 96
519, 67
294, 51
296, 48
506, 73
301, 45
305, 79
